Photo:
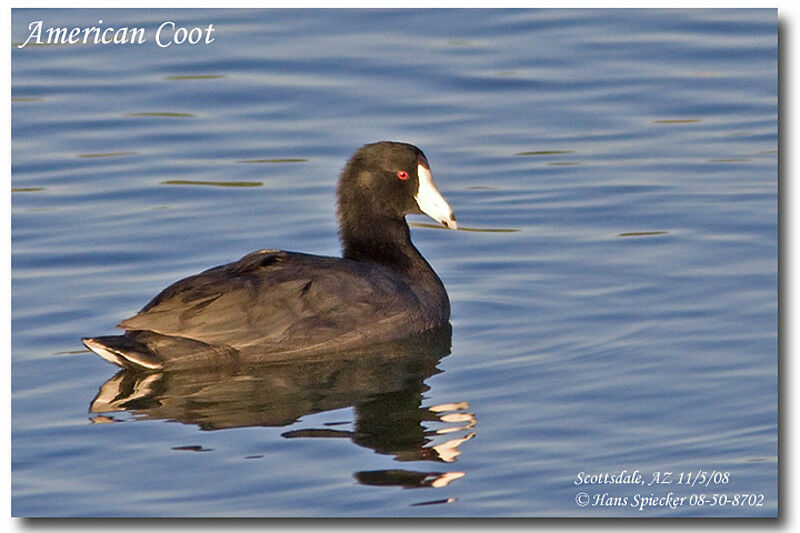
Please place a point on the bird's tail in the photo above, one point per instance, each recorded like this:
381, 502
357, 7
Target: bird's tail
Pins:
123, 351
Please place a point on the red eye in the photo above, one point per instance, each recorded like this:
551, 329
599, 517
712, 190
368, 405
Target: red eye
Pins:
403, 175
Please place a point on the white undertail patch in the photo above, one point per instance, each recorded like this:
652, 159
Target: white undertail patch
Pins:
103, 352
117, 357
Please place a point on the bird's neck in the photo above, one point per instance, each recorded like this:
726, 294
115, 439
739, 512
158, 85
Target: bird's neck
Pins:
384, 241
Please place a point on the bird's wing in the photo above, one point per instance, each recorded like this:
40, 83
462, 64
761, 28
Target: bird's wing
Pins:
272, 298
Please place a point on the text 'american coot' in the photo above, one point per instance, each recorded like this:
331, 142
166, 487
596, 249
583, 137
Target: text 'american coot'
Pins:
273, 305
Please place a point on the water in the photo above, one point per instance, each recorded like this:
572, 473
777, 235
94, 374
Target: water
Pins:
623, 315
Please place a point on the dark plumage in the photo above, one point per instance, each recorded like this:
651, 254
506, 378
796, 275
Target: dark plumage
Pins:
273, 305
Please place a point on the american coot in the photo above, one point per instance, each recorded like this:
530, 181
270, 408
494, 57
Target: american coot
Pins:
272, 305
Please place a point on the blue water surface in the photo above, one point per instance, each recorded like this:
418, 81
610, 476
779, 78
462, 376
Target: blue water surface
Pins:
616, 310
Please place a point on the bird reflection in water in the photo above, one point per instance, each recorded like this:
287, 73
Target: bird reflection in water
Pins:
384, 384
